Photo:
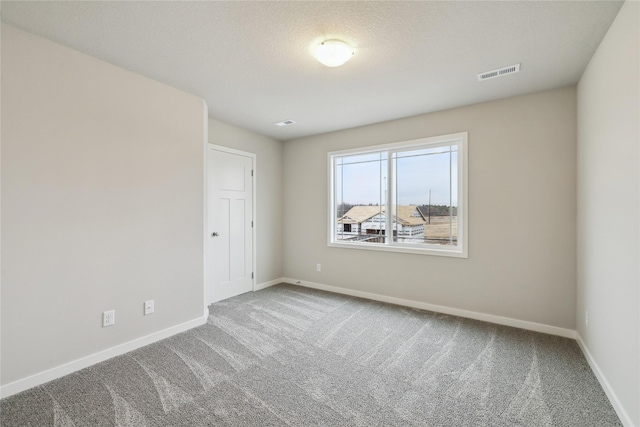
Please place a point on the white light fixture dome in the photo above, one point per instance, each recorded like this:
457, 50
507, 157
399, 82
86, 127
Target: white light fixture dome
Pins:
333, 53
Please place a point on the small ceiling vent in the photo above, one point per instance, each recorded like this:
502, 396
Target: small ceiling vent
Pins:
284, 123
499, 73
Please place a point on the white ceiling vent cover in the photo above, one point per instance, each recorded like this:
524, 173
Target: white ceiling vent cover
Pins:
499, 73
284, 123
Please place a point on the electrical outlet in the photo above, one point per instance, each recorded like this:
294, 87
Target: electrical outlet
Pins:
318, 267
148, 307
108, 318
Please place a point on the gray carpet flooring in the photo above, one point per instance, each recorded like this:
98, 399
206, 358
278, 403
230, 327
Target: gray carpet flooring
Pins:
287, 355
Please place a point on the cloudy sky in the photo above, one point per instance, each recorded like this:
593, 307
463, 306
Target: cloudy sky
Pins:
362, 179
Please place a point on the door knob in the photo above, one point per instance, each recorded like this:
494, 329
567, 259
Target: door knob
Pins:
214, 234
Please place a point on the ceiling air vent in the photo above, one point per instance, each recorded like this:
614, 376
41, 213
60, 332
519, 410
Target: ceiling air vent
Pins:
499, 73
284, 123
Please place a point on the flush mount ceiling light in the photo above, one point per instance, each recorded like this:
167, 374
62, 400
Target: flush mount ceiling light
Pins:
333, 53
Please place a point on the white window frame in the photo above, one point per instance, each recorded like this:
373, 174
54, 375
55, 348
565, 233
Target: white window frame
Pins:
458, 251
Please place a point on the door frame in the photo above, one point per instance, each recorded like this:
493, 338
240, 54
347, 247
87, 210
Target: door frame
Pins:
208, 264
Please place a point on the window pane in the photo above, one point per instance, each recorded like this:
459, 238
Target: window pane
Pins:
360, 196
401, 197
425, 196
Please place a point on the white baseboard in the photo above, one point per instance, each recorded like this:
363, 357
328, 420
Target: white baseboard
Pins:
522, 324
62, 370
268, 284
613, 398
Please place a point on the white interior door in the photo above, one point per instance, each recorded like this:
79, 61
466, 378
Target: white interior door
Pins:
230, 224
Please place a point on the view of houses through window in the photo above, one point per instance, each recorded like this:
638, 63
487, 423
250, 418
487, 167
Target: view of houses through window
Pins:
410, 225
410, 190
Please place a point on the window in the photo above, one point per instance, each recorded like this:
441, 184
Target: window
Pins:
403, 197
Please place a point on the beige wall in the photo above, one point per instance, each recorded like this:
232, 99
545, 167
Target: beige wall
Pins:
269, 192
102, 205
608, 208
522, 211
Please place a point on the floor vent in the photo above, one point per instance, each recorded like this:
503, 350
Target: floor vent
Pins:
499, 73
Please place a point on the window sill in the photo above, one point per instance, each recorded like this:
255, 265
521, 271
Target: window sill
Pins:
453, 253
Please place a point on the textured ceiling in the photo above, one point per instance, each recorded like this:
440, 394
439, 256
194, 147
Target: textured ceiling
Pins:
252, 63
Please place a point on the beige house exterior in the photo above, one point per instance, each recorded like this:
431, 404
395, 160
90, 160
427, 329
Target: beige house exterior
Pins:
408, 221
